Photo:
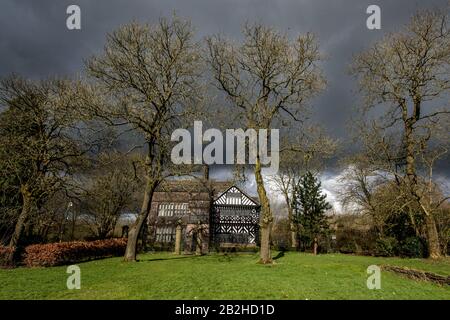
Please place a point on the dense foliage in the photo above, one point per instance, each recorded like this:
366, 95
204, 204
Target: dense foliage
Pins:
310, 206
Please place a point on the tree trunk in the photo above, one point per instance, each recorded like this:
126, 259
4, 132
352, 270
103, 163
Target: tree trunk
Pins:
44, 232
61, 228
17, 235
292, 226
74, 219
294, 243
199, 246
410, 157
315, 245
134, 231
434, 248
266, 216
434, 251
265, 256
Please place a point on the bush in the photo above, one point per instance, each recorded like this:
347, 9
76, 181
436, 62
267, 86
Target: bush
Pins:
4, 252
412, 247
348, 248
351, 240
54, 254
386, 247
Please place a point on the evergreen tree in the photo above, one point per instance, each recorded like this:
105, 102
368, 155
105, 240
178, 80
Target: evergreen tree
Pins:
309, 208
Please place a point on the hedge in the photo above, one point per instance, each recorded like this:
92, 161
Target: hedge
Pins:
54, 254
4, 252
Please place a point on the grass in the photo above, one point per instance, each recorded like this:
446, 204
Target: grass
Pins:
165, 276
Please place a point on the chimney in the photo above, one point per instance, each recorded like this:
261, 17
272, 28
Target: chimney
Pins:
206, 172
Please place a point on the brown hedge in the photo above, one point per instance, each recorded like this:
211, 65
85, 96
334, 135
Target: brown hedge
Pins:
4, 252
54, 254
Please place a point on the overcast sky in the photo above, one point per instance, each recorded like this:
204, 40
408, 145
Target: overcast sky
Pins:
35, 42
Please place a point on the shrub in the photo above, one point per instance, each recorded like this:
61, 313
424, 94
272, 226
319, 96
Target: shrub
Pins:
351, 240
412, 247
386, 247
54, 254
348, 248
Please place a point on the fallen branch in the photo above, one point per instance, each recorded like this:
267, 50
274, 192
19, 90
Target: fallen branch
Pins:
419, 274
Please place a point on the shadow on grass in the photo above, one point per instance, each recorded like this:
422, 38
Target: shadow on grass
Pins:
279, 255
169, 258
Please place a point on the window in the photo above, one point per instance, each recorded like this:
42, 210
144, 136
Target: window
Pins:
173, 209
165, 234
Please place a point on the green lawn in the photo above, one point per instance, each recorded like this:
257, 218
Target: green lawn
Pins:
165, 276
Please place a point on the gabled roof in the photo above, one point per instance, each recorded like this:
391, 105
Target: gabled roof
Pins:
194, 186
229, 198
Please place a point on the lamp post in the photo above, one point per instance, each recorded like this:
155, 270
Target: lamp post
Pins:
72, 235
69, 205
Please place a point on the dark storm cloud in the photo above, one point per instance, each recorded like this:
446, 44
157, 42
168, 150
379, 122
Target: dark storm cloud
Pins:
35, 42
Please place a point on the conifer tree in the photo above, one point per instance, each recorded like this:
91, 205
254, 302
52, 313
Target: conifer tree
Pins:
310, 206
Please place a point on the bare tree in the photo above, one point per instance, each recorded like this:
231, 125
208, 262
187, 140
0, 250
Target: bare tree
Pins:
150, 75
266, 77
301, 153
39, 133
406, 75
358, 184
110, 194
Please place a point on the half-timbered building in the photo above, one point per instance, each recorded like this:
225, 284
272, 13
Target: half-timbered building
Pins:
217, 211
234, 218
